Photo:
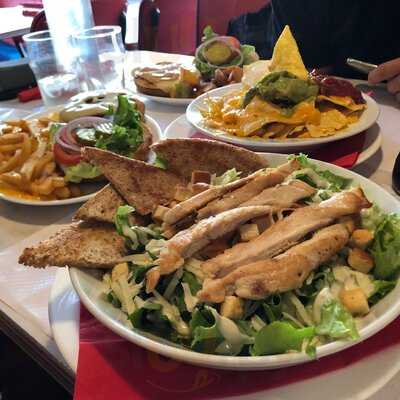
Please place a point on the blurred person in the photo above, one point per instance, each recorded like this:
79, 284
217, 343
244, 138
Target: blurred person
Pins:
328, 32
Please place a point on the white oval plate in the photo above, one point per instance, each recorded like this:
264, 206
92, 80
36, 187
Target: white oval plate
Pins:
367, 119
90, 189
180, 128
360, 380
89, 287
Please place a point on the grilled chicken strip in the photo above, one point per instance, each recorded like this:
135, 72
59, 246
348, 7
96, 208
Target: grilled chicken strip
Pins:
249, 190
287, 232
285, 272
191, 205
187, 242
261, 179
282, 196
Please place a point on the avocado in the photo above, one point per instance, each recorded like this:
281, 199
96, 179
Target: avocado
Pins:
283, 89
218, 53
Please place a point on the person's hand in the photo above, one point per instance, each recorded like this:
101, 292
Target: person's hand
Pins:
388, 71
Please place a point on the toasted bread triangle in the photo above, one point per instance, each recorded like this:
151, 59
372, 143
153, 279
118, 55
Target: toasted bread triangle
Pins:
183, 156
81, 245
142, 185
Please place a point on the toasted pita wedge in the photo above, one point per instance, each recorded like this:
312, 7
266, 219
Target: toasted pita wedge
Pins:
101, 207
183, 156
141, 185
81, 245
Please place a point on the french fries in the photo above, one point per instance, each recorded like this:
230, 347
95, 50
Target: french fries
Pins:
26, 162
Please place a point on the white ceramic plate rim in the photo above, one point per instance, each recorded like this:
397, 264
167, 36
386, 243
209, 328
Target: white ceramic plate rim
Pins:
368, 118
64, 321
171, 101
251, 363
154, 129
181, 128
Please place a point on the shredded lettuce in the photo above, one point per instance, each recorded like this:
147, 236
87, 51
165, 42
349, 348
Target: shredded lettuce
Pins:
336, 322
136, 236
325, 180
227, 177
83, 170
280, 337
386, 248
372, 217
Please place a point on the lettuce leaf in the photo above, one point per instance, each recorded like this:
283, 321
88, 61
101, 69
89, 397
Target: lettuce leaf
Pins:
208, 33
126, 134
83, 170
121, 219
382, 288
336, 322
149, 318
159, 162
386, 248
206, 336
280, 337
249, 53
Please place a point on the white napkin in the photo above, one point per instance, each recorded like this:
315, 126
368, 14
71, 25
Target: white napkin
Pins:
26, 289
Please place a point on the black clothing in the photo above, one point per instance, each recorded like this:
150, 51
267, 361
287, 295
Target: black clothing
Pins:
327, 31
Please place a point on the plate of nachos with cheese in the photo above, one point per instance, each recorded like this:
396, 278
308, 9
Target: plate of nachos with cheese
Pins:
279, 104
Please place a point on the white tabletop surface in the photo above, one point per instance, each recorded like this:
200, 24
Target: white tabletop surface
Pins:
13, 22
24, 292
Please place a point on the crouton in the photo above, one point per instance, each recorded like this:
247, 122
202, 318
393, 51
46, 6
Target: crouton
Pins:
360, 260
355, 301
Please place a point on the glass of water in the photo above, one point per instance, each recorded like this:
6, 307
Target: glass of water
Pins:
101, 56
55, 66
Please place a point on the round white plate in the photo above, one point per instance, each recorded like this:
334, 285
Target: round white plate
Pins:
89, 189
367, 119
360, 380
169, 101
180, 128
89, 286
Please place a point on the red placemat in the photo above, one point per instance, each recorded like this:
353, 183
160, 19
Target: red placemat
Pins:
343, 153
112, 368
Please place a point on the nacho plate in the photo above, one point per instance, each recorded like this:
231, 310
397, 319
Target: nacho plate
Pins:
194, 116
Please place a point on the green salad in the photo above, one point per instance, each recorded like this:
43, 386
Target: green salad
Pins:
258, 310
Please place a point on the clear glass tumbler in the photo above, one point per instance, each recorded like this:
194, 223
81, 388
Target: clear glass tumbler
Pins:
101, 56
56, 69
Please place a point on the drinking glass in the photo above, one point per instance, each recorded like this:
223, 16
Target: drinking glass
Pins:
55, 67
101, 57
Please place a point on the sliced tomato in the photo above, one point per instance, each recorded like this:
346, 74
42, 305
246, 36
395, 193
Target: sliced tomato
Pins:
231, 40
62, 157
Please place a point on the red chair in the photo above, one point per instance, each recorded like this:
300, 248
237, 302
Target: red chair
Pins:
176, 26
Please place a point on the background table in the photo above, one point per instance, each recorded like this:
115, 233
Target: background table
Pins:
13, 23
27, 321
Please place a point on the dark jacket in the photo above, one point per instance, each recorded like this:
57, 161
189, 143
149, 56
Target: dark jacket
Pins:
327, 31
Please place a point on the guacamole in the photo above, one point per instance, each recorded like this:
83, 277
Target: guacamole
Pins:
282, 88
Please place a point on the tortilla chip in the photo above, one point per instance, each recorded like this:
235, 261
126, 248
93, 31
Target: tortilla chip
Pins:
344, 101
286, 55
329, 123
142, 185
183, 156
